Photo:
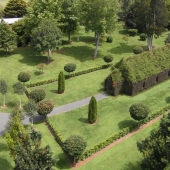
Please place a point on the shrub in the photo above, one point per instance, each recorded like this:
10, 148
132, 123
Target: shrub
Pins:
139, 111
61, 82
109, 39
41, 67
92, 113
70, 67
137, 50
143, 37
132, 32
37, 95
45, 107
108, 58
167, 40
23, 77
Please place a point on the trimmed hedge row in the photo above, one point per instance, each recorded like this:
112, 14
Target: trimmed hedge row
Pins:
68, 76
56, 133
121, 133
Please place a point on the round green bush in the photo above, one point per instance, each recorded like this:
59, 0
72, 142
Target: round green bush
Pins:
132, 32
167, 40
37, 95
108, 58
139, 111
109, 39
70, 67
143, 37
137, 50
45, 107
23, 77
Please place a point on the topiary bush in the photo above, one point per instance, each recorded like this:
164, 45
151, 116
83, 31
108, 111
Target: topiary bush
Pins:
92, 112
70, 67
45, 107
143, 37
139, 111
61, 83
137, 50
24, 77
109, 39
108, 58
37, 95
132, 32
167, 40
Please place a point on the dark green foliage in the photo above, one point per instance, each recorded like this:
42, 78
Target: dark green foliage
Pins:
3, 87
167, 40
37, 95
45, 107
137, 50
61, 82
19, 88
74, 146
139, 111
15, 9
108, 58
143, 36
24, 77
132, 32
109, 39
92, 111
70, 67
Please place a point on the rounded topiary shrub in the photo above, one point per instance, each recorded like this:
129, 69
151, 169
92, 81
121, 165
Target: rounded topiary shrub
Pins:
45, 107
132, 32
108, 58
70, 67
37, 95
109, 39
143, 37
137, 50
24, 77
139, 111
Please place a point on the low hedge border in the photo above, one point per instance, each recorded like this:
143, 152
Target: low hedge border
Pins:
121, 133
68, 76
56, 133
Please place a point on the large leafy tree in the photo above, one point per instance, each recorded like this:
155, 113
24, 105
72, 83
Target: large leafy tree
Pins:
99, 16
7, 37
46, 37
153, 16
15, 9
69, 17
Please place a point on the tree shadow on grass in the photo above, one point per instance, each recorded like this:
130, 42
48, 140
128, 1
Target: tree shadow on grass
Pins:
54, 91
132, 166
167, 100
126, 123
123, 31
83, 120
62, 163
12, 104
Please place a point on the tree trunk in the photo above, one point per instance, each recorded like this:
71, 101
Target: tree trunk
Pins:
97, 44
4, 100
48, 55
149, 40
32, 121
74, 162
20, 106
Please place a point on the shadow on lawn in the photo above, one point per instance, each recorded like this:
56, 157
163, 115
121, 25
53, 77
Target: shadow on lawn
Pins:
132, 166
126, 123
62, 162
83, 120
167, 99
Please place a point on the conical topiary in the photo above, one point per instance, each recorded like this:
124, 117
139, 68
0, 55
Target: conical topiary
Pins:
61, 82
92, 114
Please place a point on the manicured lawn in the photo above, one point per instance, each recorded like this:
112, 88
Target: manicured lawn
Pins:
124, 156
113, 115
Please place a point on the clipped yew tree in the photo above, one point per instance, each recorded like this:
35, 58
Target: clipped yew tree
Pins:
70, 67
61, 83
139, 111
24, 77
74, 146
37, 95
92, 112
108, 58
45, 107
3, 90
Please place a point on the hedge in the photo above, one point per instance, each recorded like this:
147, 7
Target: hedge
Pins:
68, 76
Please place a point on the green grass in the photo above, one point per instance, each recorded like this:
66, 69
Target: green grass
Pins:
124, 156
113, 115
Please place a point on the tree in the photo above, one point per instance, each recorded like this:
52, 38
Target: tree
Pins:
24, 77
45, 107
7, 37
69, 17
3, 89
70, 67
153, 16
74, 146
156, 147
15, 9
139, 111
61, 82
19, 89
37, 95
31, 109
92, 112
99, 16
108, 58
46, 37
